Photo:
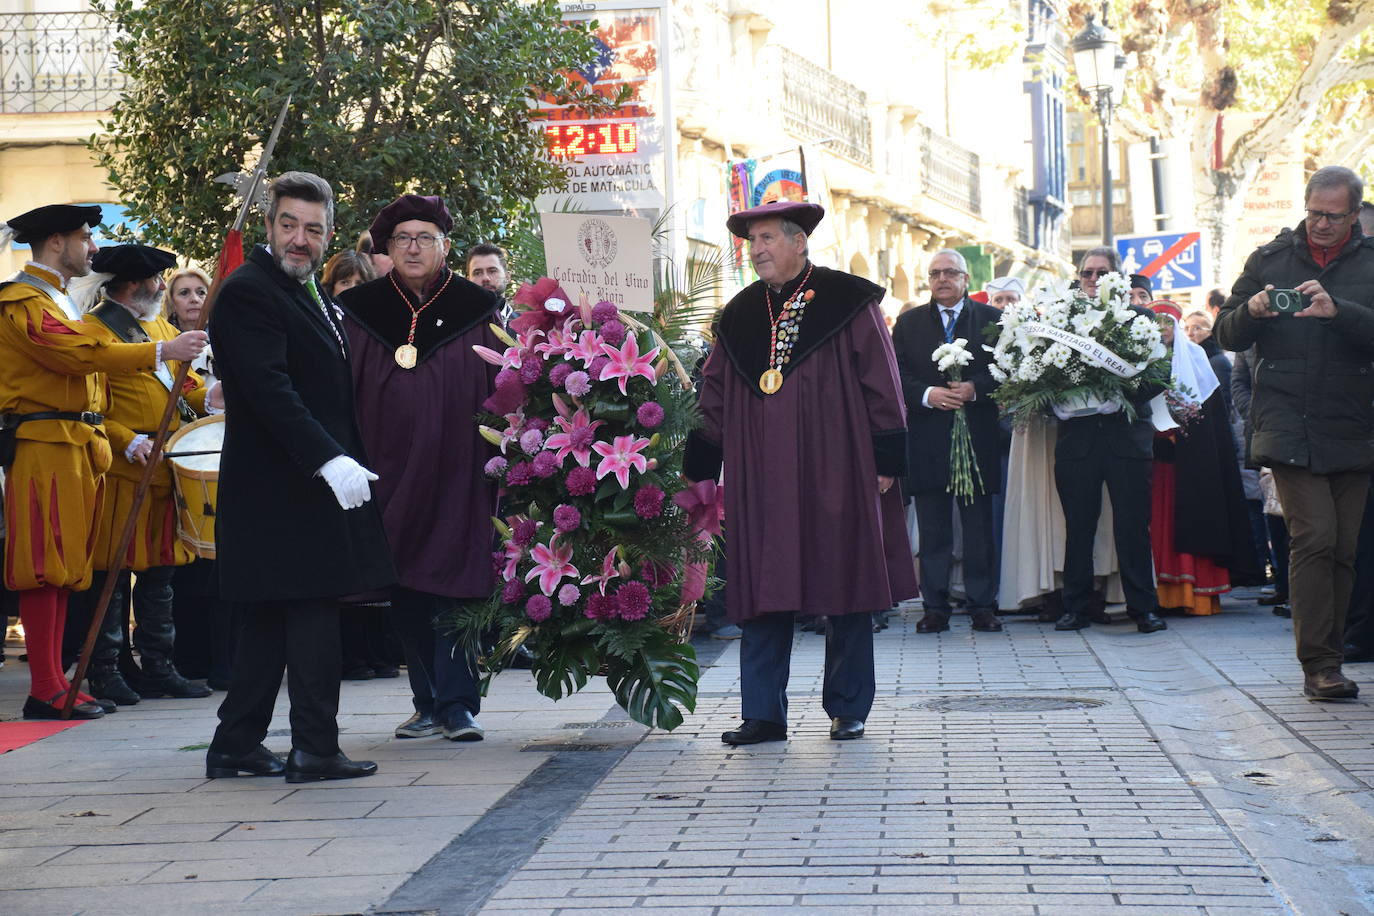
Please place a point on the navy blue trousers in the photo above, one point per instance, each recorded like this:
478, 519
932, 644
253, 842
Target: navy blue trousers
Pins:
441, 675
765, 658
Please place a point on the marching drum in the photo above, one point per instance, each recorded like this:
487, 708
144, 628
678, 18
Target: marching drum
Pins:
193, 453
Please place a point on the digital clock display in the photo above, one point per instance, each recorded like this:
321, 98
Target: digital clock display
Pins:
569, 141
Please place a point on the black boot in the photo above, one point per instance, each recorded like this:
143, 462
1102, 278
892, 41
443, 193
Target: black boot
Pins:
108, 684
161, 679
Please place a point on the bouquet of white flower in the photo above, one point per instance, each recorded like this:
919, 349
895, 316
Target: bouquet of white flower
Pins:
1067, 353
951, 358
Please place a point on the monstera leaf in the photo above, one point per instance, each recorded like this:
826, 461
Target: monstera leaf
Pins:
565, 667
662, 677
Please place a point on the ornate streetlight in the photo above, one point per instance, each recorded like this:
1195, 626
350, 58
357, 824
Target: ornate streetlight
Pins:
1101, 69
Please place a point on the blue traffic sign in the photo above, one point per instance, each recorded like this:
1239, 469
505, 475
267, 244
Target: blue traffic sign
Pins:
1172, 260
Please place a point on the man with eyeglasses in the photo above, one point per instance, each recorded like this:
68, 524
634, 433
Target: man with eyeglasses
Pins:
933, 400
1096, 264
1312, 408
419, 388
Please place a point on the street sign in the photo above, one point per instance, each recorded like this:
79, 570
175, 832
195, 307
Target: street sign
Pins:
1173, 260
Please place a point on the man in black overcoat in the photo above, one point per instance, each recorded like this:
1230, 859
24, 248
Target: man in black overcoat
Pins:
295, 530
931, 404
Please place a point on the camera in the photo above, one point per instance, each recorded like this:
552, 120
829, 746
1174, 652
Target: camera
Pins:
1287, 301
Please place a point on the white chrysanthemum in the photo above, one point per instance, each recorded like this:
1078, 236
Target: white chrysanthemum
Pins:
1113, 288
947, 356
996, 372
1029, 370
1057, 355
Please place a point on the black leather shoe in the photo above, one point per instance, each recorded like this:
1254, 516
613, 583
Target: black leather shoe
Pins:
1284, 611
459, 725
1149, 622
986, 622
257, 762
1268, 600
846, 729
109, 684
37, 709
1354, 653
755, 731
420, 725
303, 767
168, 682
1070, 621
933, 622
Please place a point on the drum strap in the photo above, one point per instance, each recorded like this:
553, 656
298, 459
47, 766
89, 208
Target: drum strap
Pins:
128, 329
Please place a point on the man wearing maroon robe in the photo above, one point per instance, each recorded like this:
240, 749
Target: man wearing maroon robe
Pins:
802, 404
419, 388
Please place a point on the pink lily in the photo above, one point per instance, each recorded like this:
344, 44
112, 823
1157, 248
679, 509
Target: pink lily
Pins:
558, 340
513, 357
515, 425
626, 363
512, 553
552, 563
608, 572
620, 456
587, 348
570, 422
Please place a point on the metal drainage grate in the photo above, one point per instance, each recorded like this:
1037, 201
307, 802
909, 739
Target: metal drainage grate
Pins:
996, 703
559, 747
581, 725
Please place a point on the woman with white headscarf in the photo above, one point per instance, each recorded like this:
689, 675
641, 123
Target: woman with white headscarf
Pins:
1199, 527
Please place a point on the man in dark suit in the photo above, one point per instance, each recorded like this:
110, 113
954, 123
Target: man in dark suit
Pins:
1091, 450
931, 403
295, 529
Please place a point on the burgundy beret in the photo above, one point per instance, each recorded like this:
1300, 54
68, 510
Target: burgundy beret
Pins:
803, 214
407, 207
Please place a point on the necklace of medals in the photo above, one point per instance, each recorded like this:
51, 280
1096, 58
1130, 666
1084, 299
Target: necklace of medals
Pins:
406, 354
783, 333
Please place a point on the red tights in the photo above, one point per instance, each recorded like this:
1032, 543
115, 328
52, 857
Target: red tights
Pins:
43, 612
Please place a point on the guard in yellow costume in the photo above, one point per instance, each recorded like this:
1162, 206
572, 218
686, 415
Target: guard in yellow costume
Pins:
53, 444
130, 313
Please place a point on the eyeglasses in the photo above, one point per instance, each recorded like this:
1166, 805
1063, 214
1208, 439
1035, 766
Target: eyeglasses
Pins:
1317, 216
1093, 274
424, 240
950, 273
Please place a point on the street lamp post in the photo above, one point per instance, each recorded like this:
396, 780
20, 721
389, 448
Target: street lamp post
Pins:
1101, 69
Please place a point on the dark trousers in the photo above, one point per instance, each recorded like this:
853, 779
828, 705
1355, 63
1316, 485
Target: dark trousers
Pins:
1259, 533
714, 606
765, 661
206, 627
1323, 512
300, 638
1278, 553
442, 675
935, 519
1079, 481
1359, 623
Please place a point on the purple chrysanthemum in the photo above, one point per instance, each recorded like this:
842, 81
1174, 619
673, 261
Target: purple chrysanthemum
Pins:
559, 374
524, 532
578, 383
632, 601
600, 607
566, 518
531, 370
656, 574
649, 502
581, 481
538, 608
495, 467
538, 423
545, 465
520, 474
582, 437
601, 362
531, 441
569, 595
513, 591
650, 414
613, 332
604, 311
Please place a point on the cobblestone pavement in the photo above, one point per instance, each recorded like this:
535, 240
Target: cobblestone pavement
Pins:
1002, 773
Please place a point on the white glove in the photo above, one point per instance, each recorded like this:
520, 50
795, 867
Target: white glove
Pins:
348, 479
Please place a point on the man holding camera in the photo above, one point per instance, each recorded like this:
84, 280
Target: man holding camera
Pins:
1306, 302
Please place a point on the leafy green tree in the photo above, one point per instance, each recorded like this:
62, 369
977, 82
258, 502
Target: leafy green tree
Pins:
389, 97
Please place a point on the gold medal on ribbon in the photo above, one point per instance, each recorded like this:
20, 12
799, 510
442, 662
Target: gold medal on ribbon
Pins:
770, 381
406, 355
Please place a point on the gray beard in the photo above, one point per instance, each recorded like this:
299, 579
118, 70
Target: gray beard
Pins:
300, 274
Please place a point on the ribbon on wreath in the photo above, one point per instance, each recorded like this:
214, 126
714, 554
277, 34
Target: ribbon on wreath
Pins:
1090, 349
704, 503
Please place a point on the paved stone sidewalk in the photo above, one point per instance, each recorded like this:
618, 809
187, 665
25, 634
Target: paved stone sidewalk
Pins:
1023, 772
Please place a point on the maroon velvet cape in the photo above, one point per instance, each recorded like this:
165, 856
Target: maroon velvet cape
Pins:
806, 529
420, 431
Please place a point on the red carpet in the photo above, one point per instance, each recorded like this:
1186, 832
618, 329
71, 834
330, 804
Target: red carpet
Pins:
17, 734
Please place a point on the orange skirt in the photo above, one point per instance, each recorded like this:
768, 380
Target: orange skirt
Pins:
53, 496
1184, 580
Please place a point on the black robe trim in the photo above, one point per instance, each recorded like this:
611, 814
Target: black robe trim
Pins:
117, 318
702, 458
889, 452
378, 309
744, 331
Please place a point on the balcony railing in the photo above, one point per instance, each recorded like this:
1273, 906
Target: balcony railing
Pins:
950, 173
818, 105
57, 62
1022, 217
